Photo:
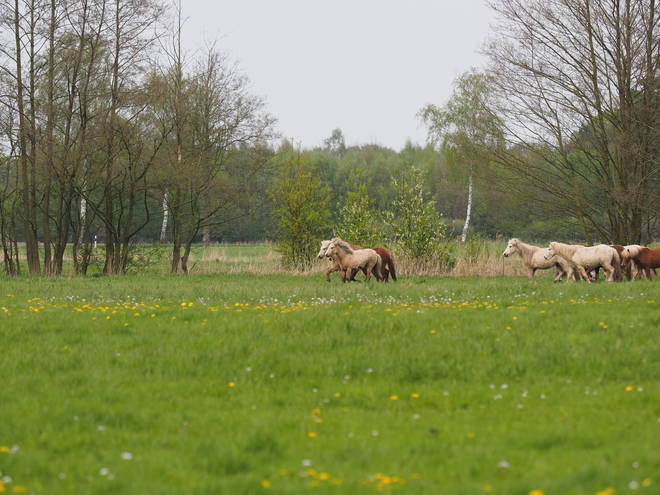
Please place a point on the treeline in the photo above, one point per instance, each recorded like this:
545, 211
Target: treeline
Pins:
113, 135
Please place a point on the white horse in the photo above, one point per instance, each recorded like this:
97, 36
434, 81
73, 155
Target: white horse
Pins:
335, 263
353, 260
584, 258
534, 259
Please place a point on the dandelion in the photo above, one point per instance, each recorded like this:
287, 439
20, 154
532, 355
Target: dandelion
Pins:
629, 388
414, 395
394, 397
232, 384
19, 489
537, 492
4, 448
324, 476
265, 484
311, 434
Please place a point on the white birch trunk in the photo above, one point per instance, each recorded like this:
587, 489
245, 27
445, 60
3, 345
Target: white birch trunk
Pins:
469, 210
166, 211
83, 214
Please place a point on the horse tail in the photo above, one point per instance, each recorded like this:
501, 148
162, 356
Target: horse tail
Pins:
376, 268
390, 265
616, 263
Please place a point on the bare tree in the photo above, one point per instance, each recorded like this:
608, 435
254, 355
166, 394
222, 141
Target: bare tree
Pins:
577, 82
211, 120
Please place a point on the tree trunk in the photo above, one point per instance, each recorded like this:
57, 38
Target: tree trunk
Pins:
468, 214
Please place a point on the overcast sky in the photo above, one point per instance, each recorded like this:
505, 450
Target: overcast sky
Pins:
363, 66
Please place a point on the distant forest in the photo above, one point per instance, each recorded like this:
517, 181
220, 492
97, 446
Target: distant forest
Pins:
111, 134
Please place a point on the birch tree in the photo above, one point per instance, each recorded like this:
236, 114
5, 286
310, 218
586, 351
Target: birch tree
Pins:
466, 129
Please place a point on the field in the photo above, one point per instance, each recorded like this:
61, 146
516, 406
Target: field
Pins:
244, 383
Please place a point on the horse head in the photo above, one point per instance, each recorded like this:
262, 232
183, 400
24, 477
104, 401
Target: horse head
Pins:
626, 256
324, 248
551, 252
330, 249
510, 248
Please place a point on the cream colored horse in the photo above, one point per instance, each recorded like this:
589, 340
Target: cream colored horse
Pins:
534, 259
353, 260
335, 263
586, 258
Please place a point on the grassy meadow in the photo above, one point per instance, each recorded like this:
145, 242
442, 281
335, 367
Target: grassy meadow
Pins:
243, 382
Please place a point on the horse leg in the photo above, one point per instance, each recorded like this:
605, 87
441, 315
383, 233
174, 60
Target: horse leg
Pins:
583, 273
347, 275
609, 273
327, 274
530, 272
384, 273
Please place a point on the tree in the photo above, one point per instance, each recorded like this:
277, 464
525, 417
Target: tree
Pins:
465, 128
412, 217
300, 210
359, 222
577, 83
211, 124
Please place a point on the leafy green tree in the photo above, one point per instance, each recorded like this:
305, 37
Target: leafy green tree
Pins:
300, 210
465, 128
417, 226
359, 222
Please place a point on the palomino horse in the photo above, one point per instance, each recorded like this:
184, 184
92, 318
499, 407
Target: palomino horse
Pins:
583, 258
534, 259
335, 264
625, 270
387, 267
352, 260
645, 259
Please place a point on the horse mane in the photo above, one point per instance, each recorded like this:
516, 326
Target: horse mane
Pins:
343, 245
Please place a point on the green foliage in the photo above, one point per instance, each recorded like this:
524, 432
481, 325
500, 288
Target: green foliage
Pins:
475, 247
301, 212
417, 226
359, 222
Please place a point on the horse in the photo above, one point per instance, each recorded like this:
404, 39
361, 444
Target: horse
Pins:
335, 264
583, 258
352, 260
645, 259
534, 259
387, 265
387, 261
626, 270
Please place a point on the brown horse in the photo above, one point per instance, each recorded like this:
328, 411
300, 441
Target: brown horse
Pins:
644, 258
387, 266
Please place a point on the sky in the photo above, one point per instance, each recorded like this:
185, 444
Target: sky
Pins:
363, 66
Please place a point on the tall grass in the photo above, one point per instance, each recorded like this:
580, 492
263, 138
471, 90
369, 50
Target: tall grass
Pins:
247, 383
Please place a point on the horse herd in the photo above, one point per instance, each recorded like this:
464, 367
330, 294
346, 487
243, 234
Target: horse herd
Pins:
350, 259
572, 261
576, 262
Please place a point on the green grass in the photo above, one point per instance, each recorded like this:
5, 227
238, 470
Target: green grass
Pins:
282, 384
